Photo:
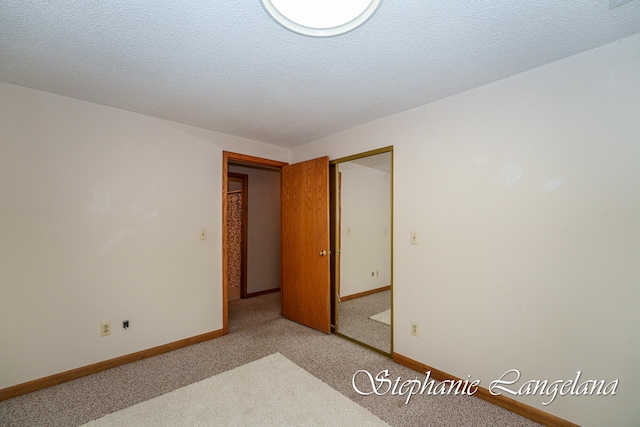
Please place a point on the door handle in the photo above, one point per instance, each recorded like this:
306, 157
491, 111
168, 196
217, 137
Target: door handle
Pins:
323, 252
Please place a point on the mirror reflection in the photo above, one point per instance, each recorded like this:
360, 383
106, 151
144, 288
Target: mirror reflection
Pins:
362, 243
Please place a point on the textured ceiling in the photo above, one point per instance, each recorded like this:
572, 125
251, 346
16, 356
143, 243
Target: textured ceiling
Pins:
226, 66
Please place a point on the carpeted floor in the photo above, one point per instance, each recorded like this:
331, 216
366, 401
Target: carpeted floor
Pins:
354, 320
256, 330
214, 401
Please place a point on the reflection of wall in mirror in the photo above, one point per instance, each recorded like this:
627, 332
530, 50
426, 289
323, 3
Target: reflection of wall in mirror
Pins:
365, 229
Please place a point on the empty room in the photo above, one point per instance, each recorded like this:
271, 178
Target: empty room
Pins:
272, 212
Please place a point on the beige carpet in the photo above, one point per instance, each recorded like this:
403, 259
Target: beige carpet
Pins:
384, 317
272, 391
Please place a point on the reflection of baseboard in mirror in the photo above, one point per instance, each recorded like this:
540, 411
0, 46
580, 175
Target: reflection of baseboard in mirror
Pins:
361, 242
344, 298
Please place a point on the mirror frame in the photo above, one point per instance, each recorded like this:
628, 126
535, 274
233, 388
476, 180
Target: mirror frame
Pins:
334, 232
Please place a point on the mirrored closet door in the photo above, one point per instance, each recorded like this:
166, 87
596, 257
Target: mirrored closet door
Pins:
361, 241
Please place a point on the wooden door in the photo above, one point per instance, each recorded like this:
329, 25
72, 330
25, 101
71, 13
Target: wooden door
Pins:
305, 244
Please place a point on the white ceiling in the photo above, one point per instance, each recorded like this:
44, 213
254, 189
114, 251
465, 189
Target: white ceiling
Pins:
226, 66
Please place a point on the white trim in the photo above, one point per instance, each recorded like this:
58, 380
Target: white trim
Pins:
320, 32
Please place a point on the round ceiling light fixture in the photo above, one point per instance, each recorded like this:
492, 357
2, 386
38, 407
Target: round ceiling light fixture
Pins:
321, 18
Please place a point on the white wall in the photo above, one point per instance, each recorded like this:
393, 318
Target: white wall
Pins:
365, 242
100, 211
525, 195
263, 234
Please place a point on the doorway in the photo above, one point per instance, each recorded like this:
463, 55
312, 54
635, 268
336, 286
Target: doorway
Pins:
231, 161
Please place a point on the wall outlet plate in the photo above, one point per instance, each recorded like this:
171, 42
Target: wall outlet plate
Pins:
414, 329
105, 329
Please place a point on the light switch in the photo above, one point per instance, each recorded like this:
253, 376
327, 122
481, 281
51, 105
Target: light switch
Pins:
414, 238
203, 234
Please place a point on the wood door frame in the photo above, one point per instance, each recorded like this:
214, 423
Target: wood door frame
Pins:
244, 207
235, 158
335, 203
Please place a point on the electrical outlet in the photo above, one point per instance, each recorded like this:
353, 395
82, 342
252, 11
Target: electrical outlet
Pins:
105, 329
414, 328
125, 324
414, 238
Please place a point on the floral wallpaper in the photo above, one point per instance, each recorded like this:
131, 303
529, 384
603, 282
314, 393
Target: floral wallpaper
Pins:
234, 230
